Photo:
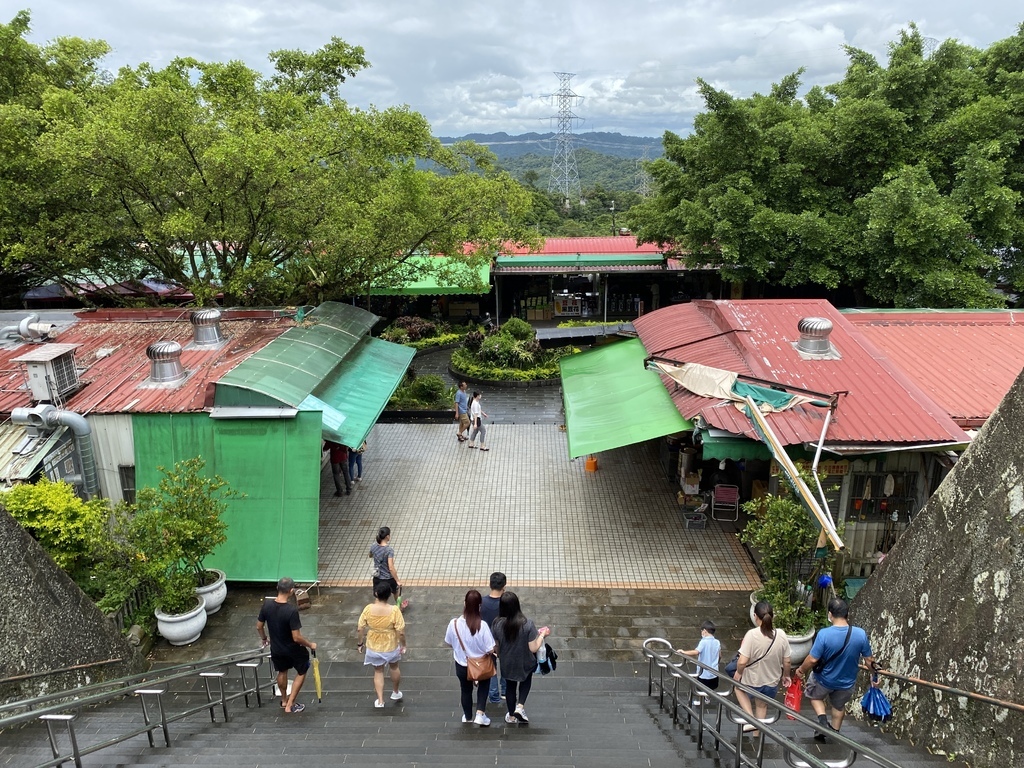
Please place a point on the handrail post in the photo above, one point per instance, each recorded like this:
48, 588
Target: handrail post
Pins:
68, 721
142, 693
219, 677
246, 690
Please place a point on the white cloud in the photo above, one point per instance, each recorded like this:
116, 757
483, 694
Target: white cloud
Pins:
475, 67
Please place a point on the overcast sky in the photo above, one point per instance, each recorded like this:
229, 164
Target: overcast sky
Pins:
489, 66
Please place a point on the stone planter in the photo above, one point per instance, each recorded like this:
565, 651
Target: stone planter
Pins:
182, 628
214, 593
799, 647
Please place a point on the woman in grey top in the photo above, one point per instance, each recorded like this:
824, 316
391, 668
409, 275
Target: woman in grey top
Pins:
384, 566
518, 639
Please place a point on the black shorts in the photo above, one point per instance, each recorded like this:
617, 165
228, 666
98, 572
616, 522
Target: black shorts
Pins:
392, 582
297, 660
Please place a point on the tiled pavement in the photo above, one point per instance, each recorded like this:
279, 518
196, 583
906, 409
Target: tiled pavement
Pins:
523, 507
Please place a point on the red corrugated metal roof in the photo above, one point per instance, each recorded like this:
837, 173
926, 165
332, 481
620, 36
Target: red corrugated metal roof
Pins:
113, 354
966, 361
585, 245
883, 405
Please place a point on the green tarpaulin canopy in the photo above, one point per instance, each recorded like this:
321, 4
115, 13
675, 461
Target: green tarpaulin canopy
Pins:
735, 448
441, 275
611, 400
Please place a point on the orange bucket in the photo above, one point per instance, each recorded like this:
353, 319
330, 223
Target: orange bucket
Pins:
591, 464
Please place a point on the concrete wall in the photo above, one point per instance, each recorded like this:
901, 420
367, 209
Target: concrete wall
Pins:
947, 604
48, 622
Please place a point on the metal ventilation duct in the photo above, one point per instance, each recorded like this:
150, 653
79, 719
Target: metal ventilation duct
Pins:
814, 333
206, 327
46, 417
165, 362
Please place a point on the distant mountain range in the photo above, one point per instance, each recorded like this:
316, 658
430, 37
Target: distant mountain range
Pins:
613, 144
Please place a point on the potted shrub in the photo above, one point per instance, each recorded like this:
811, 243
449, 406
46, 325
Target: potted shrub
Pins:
172, 529
781, 531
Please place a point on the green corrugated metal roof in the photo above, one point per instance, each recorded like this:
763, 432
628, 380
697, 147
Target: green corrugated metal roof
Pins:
611, 400
581, 260
290, 367
330, 365
354, 395
441, 275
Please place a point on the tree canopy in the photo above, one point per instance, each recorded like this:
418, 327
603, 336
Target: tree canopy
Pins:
902, 183
217, 179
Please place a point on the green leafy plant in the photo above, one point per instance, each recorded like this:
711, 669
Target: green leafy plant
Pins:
66, 526
170, 530
422, 393
518, 329
781, 531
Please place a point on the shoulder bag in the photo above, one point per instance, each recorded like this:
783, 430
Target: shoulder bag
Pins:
730, 668
819, 665
477, 667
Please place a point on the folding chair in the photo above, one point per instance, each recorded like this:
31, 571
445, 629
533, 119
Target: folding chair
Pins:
725, 503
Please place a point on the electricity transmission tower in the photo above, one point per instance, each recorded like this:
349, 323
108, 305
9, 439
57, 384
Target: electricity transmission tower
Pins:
643, 178
565, 176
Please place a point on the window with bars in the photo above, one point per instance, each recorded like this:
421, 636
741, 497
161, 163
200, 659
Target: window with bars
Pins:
126, 472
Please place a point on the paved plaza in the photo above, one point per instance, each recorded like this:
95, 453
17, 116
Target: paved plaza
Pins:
523, 507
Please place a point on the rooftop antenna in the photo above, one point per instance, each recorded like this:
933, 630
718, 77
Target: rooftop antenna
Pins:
928, 46
565, 176
643, 178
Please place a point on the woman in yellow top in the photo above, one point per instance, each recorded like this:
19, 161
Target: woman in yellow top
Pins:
382, 630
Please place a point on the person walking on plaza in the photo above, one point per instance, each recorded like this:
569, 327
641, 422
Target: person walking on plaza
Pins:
835, 658
355, 462
278, 626
381, 630
339, 466
476, 418
763, 662
461, 412
384, 570
518, 640
469, 636
489, 612
707, 652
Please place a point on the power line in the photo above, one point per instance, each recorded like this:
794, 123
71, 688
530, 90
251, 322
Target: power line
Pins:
565, 176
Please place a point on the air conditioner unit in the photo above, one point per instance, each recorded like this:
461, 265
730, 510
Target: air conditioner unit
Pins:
50, 371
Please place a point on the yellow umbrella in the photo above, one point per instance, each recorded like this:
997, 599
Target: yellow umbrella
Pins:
316, 678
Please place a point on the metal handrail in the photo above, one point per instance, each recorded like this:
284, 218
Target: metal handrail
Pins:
794, 754
117, 683
50, 672
983, 698
147, 688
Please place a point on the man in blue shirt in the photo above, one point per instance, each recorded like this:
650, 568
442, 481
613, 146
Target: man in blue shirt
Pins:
462, 411
835, 658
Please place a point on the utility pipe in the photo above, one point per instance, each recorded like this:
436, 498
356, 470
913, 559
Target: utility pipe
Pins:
49, 416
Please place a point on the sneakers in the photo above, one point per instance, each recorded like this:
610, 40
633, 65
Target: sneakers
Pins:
511, 720
520, 714
464, 719
296, 708
494, 701
482, 720
397, 696
378, 704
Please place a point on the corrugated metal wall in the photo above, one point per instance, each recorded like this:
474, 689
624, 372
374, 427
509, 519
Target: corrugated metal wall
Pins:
273, 532
114, 447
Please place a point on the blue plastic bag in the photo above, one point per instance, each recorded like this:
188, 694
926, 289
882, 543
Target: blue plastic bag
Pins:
875, 705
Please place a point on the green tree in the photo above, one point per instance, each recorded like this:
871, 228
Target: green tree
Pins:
268, 189
29, 76
901, 182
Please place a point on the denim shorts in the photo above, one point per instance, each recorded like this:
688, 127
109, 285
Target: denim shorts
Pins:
767, 690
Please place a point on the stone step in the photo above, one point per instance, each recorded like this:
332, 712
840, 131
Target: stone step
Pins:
576, 720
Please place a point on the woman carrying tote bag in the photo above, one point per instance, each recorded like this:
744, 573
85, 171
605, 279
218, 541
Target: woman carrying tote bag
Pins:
470, 637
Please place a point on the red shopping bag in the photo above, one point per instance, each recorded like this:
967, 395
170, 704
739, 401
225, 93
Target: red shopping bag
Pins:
794, 696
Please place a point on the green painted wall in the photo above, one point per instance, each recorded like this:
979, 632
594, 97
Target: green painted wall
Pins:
274, 531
